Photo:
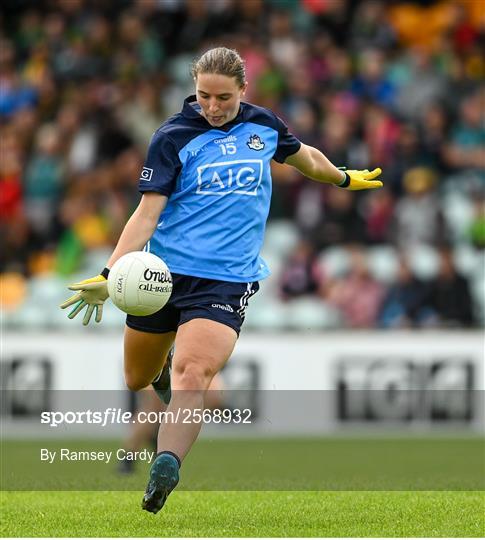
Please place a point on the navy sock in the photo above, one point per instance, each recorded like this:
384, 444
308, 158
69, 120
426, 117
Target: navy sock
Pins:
171, 454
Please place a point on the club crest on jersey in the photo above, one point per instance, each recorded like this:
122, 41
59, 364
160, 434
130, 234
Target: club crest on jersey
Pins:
255, 142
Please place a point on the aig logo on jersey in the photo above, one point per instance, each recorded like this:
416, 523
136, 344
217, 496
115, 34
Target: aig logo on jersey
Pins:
241, 176
255, 142
146, 174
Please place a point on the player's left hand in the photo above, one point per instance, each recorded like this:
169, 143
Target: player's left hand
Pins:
92, 293
356, 180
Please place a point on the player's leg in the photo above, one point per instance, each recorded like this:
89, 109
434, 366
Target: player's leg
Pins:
144, 360
139, 433
145, 354
214, 396
163, 388
161, 384
202, 348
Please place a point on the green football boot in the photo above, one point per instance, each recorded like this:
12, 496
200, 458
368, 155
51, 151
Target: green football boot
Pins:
164, 476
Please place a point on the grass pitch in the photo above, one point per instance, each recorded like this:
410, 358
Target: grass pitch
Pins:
334, 472
284, 464
252, 514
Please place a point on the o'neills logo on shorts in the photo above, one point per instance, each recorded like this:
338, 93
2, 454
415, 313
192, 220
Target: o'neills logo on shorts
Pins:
157, 275
227, 307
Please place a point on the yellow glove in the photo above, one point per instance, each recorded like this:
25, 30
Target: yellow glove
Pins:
356, 180
92, 293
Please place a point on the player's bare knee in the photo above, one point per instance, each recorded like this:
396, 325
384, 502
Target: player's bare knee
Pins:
191, 374
134, 381
191, 377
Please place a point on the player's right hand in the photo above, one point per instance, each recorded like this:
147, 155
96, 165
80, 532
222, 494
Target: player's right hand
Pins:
92, 293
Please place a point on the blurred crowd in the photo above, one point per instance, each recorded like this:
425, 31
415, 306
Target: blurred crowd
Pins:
85, 83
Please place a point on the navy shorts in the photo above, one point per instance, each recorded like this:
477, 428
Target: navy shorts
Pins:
198, 298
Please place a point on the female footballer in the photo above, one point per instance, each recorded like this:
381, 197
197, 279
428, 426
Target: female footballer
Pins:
206, 190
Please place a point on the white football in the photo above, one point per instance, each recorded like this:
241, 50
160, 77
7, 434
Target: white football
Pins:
139, 283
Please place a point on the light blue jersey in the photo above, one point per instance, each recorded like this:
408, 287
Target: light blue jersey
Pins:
218, 183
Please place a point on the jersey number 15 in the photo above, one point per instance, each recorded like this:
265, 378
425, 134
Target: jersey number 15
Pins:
228, 148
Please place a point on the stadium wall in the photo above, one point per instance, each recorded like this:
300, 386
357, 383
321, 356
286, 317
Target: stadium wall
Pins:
292, 383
